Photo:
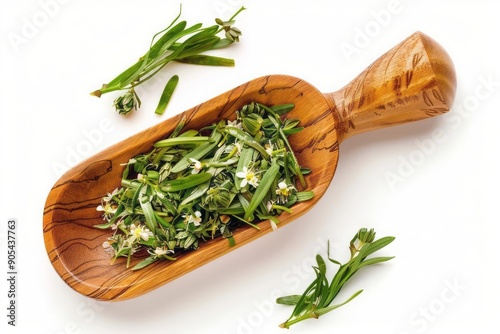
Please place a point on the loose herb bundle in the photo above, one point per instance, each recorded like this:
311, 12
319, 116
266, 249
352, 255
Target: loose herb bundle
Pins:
198, 185
178, 43
318, 296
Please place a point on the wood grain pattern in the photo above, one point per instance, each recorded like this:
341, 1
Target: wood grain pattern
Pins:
412, 81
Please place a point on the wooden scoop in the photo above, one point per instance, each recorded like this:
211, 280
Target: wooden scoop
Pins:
412, 81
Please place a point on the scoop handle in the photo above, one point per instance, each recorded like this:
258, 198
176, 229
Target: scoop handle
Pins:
412, 81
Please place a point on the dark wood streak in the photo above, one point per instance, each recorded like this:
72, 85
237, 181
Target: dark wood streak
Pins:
91, 173
427, 99
119, 276
62, 203
190, 114
431, 84
93, 269
438, 95
396, 84
392, 56
81, 241
56, 253
68, 222
361, 100
417, 57
314, 144
72, 206
330, 148
234, 96
408, 76
434, 111
265, 91
319, 118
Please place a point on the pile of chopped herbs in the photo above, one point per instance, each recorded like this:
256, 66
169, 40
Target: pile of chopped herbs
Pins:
202, 184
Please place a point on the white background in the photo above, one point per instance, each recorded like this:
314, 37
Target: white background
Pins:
442, 208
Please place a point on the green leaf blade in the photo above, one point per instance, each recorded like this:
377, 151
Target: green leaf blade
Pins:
374, 260
247, 139
262, 190
288, 300
144, 263
181, 140
376, 245
147, 209
206, 60
198, 153
186, 182
168, 38
324, 310
168, 91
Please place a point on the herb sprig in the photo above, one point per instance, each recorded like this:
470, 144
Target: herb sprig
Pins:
318, 296
180, 43
201, 184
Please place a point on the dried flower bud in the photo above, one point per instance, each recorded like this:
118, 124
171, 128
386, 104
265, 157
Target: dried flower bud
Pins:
233, 34
252, 123
218, 198
248, 109
126, 103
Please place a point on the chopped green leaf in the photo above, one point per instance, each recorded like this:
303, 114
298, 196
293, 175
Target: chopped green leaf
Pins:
167, 94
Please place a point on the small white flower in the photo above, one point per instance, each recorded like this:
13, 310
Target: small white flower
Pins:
109, 197
139, 232
269, 148
283, 191
197, 166
107, 247
159, 251
248, 177
239, 147
193, 218
106, 205
108, 209
235, 123
118, 225
254, 181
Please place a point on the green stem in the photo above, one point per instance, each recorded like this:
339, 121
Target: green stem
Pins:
305, 316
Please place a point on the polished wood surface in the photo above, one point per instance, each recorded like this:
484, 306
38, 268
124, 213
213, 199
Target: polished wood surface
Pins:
412, 81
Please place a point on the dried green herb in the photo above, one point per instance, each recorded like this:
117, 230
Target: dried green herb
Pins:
197, 185
178, 43
317, 298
